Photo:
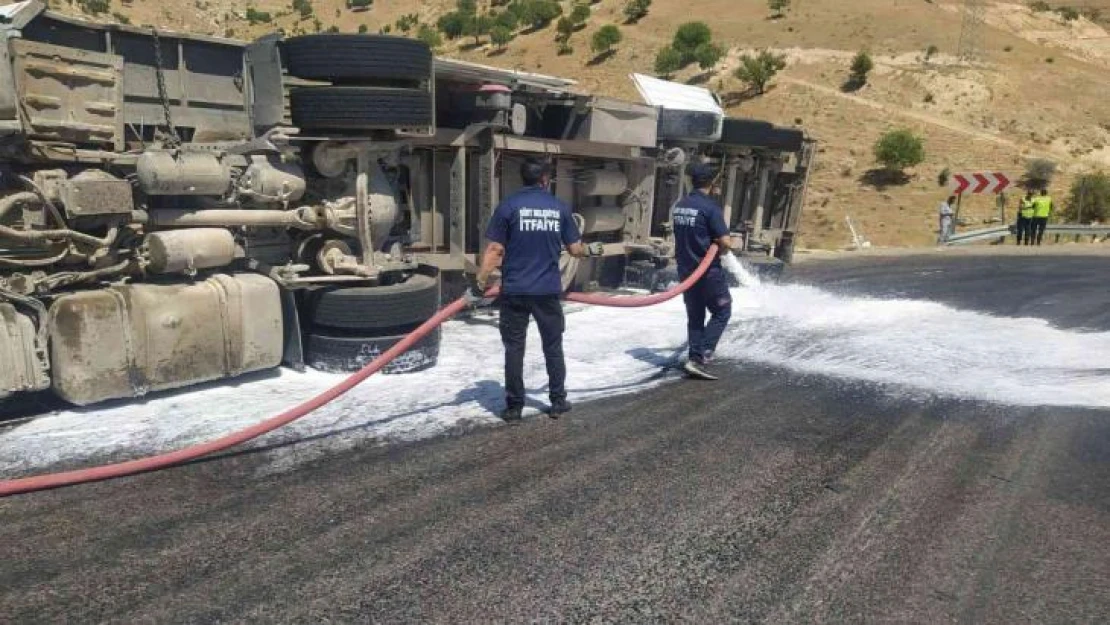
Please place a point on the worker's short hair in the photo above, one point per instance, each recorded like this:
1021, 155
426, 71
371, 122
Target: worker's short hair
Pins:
951, 198
533, 169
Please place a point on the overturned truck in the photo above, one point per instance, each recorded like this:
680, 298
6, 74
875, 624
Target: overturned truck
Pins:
176, 209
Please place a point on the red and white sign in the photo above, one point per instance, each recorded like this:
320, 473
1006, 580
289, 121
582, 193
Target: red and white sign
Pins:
980, 182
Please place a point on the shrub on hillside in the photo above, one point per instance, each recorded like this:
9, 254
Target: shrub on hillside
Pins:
707, 55
303, 8
667, 62
580, 14
254, 16
430, 36
778, 7
1068, 13
636, 10
605, 38
1038, 174
95, 7
898, 149
858, 71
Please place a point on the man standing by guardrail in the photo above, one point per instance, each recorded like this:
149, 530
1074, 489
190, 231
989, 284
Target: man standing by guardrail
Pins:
526, 237
1025, 219
1042, 210
945, 223
698, 223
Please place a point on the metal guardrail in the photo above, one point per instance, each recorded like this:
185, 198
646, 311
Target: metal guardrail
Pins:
987, 234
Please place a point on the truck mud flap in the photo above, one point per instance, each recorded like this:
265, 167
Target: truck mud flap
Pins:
293, 352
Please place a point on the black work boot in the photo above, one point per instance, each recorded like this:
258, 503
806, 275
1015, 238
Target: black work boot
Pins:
559, 407
512, 415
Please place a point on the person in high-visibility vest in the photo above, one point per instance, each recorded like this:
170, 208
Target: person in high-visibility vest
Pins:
1025, 220
1042, 209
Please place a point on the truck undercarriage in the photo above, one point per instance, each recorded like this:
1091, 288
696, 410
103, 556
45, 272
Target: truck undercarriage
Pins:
177, 209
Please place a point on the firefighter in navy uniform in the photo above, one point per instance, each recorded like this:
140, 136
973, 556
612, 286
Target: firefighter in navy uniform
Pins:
526, 235
1025, 220
699, 222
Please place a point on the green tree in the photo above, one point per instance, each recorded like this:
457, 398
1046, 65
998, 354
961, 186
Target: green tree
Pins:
899, 149
778, 7
303, 8
546, 11
507, 20
760, 69
536, 14
1089, 199
255, 16
467, 7
478, 26
636, 10
689, 37
454, 25
707, 55
500, 36
564, 30
580, 14
860, 68
429, 36
667, 62
605, 38
359, 4
95, 7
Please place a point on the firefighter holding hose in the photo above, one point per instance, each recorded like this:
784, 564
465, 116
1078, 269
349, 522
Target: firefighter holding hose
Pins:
698, 223
526, 235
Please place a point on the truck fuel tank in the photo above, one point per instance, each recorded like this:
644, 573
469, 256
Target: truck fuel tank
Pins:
128, 340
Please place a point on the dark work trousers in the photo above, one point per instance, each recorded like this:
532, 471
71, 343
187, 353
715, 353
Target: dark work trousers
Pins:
1023, 229
515, 313
1037, 229
710, 293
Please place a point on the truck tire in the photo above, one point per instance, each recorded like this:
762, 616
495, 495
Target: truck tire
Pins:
376, 310
746, 132
346, 354
360, 108
356, 58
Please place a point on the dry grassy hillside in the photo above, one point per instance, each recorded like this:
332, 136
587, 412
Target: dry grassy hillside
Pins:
1040, 88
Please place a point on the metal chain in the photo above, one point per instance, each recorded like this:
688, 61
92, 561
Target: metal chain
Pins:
175, 140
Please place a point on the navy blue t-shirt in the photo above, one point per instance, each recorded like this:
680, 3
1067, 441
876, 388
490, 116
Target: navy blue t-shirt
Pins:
533, 225
698, 222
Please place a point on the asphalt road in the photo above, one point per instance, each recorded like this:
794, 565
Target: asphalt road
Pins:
765, 497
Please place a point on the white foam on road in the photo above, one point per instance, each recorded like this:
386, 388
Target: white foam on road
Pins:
914, 345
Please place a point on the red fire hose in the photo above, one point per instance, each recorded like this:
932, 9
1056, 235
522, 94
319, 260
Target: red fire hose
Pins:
161, 461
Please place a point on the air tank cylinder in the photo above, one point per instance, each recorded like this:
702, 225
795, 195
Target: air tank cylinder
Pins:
605, 218
603, 182
186, 173
186, 251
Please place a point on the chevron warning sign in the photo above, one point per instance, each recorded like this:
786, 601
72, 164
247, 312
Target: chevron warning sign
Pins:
980, 182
